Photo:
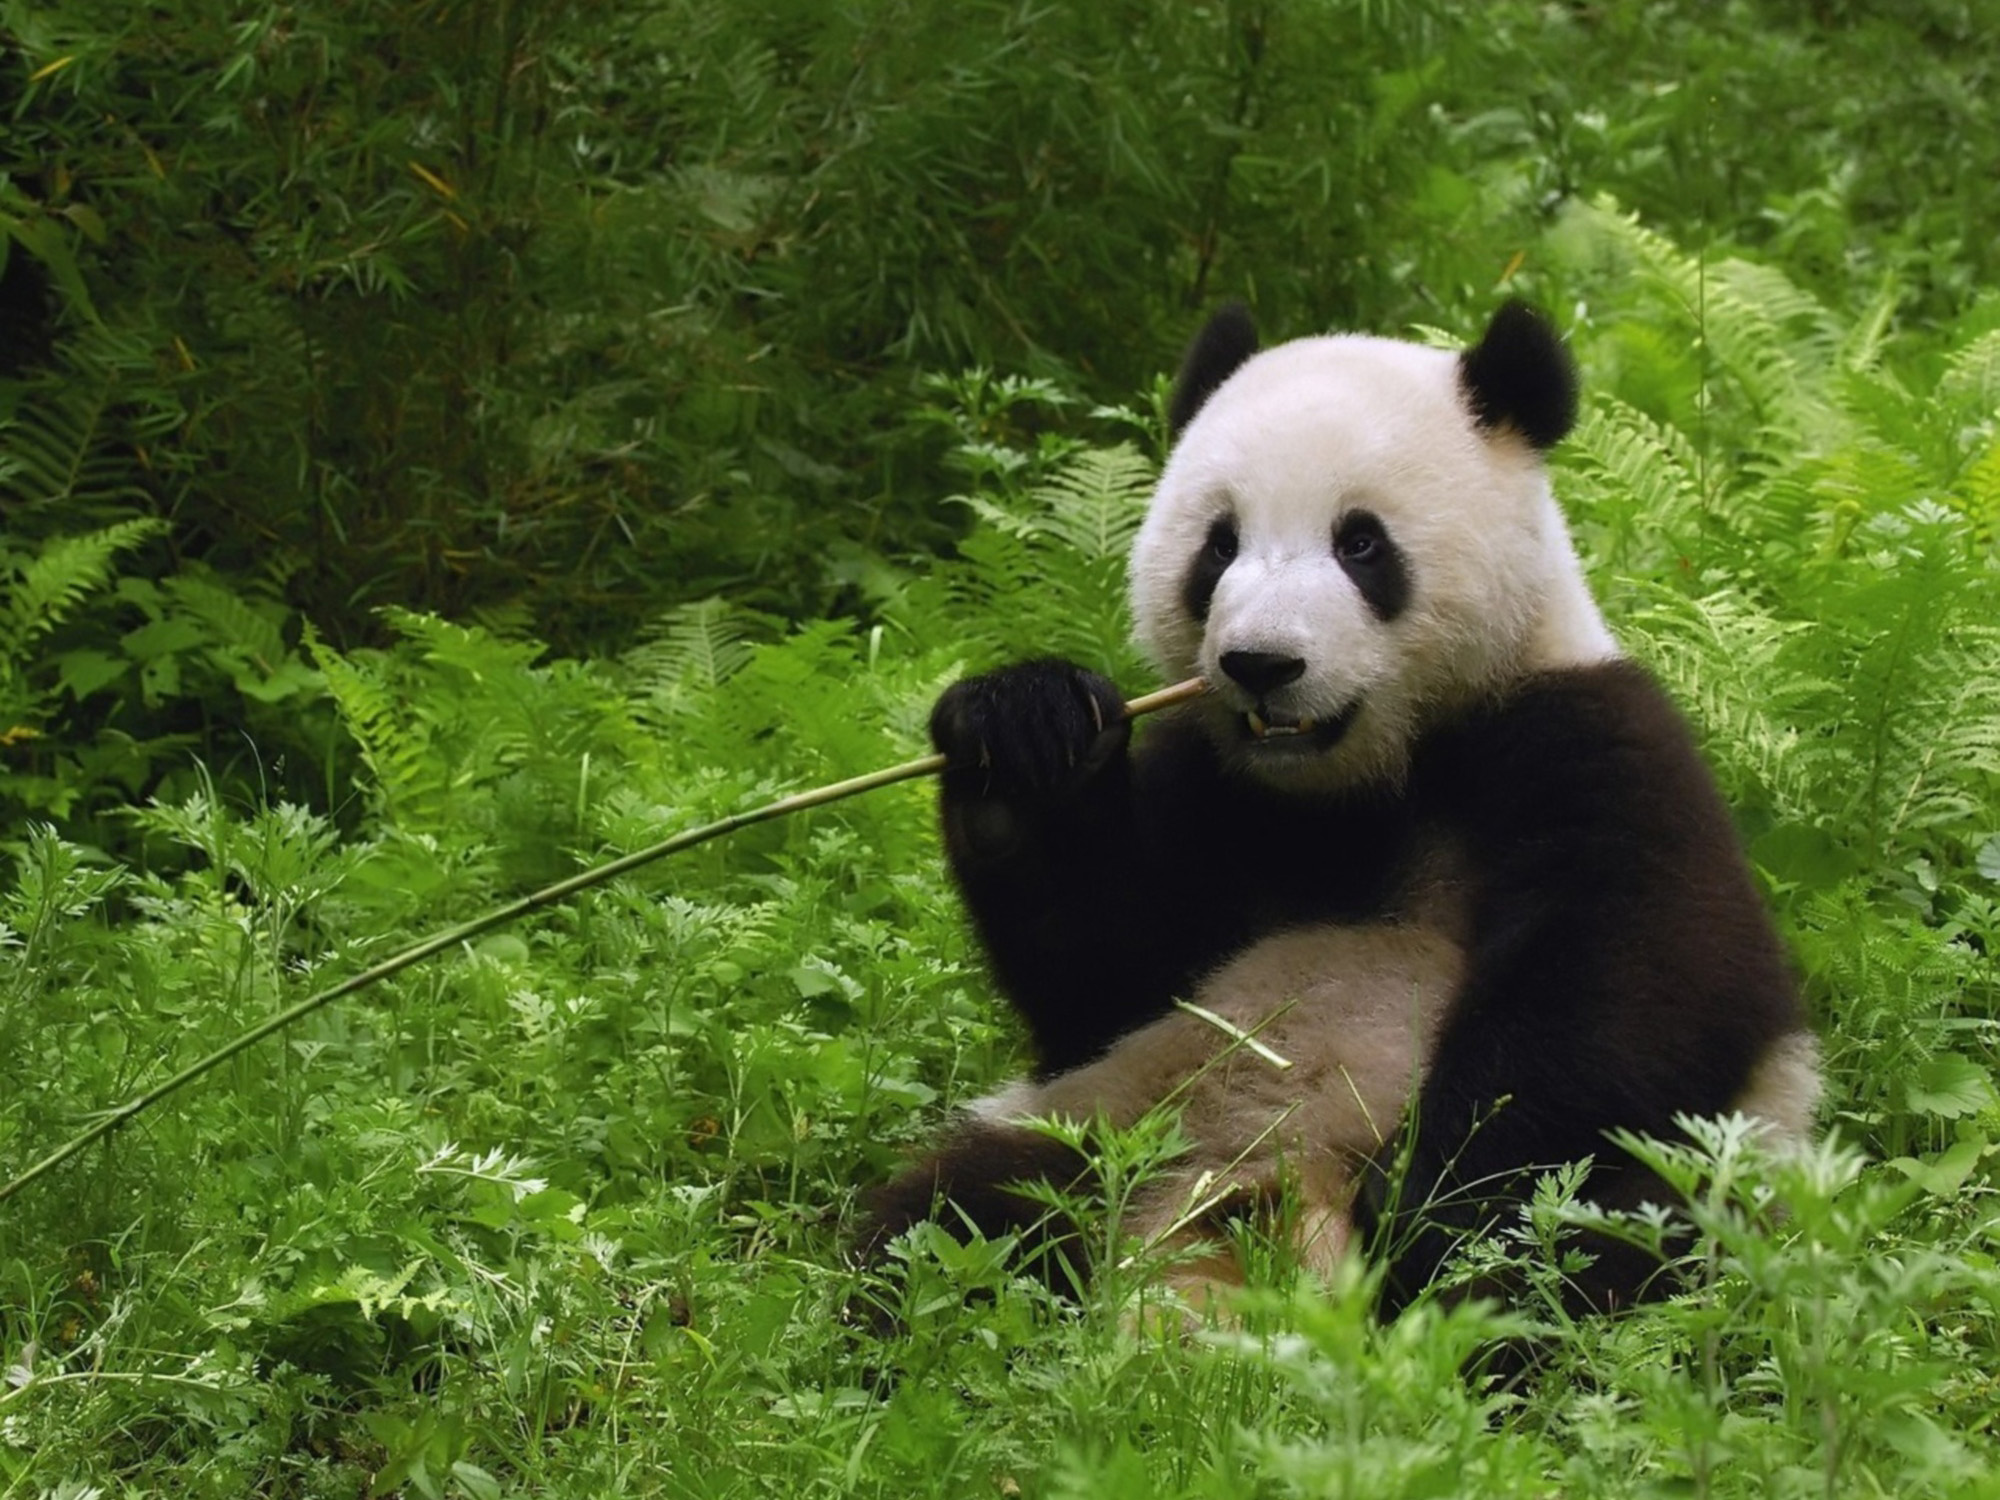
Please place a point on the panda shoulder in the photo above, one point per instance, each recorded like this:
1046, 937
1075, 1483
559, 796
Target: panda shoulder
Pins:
1594, 743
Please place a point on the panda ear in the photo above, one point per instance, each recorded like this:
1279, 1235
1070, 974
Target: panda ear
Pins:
1520, 376
1226, 340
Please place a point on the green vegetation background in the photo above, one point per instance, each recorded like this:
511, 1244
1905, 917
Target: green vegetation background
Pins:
445, 444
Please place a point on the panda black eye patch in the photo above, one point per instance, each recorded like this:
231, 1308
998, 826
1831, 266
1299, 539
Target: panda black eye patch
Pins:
1362, 547
1210, 563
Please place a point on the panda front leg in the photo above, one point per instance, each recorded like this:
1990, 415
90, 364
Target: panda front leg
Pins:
1090, 927
1057, 868
1505, 1101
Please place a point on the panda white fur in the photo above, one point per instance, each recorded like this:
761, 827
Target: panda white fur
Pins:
1431, 840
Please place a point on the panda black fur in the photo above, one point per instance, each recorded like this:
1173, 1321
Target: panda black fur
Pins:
1431, 839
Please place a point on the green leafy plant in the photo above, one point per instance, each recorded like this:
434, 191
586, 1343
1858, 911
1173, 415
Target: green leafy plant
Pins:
445, 446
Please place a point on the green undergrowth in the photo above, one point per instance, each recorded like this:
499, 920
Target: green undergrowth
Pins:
578, 311
562, 1212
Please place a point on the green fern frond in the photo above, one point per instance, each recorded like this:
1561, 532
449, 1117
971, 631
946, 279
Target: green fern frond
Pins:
236, 624
1748, 345
1094, 503
67, 440
686, 653
1740, 313
1728, 662
1941, 762
1883, 408
1091, 505
50, 454
47, 587
483, 700
1638, 478
395, 744
1013, 597
1863, 344
1785, 511
476, 652
1970, 386
1045, 572
1906, 620
1977, 493
1812, 335
705, 642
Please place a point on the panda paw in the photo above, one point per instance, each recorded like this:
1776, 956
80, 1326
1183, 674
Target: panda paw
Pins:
1035, 729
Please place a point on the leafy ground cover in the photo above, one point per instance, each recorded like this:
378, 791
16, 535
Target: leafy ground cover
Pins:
631, 352
561, 1213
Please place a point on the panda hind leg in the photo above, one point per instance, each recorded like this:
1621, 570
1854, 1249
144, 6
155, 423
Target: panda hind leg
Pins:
987, 1179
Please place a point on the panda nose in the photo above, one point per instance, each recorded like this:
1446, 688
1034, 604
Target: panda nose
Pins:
1260, 671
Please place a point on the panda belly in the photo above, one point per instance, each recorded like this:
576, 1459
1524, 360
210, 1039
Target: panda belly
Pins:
1355, 1012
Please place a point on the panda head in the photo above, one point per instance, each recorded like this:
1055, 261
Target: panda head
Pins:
1354, 539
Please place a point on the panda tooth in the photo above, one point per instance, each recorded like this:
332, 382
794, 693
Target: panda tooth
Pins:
1306, 725
1257, 726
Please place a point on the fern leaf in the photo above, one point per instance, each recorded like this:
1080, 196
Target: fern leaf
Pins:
1978, 492
1862, 346
1942, 765
1726, 660
1738, 311
50, 585
476, 652
1094, 503
62, 445
395, 744
235, 623
1641, 478
706, 642
1091, 505
1970, 385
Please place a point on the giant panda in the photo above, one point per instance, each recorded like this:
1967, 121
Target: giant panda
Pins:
1432, 842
